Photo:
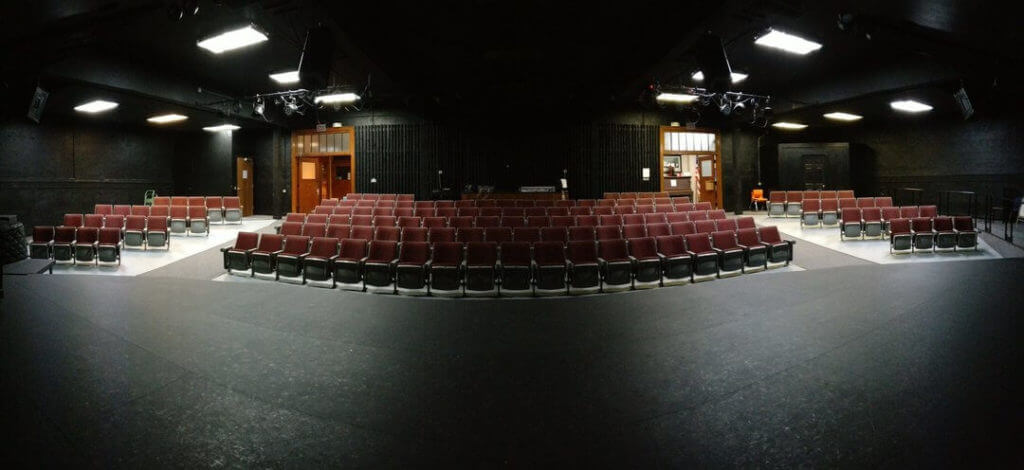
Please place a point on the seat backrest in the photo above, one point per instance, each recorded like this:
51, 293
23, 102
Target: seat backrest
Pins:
515, 253
117, 220
460, 222
828, 195
162, 201
549, 253
93, 220
682, 228
664, 208
612, 249
716, 214
64, 234
441, 234
414, 253
535, 211
296, 217
103, 209
811, 205
481, 253
446, 212
362, 232
883, 201
871, 214
352, 249
581, 252
469, 211
702, 206
614, 219
634, 231
317, 218
943, 224
900, 225
963, 223
156, 224
929, 211
698, 242
538, 220
697, 215
432, 222
658, 229
403, 212
270, 242
122, 209
777, 196
608, 232
198, 201
889, 213
624, 210
845, 194
490, 211
465, 203
588, 220
582, 233
770, 234
339, 231
73, 220
291, 228
645, 209
384, 220
389, 233
135, 222
512, 221
323, 246
725, 224
851, 214
42, 233
367, 211
921, 224
526, 234
498, 234
747, 237
863, 202
704, 226
559, 211
446, 254
314, 230
360, 220
671, 245
196, 212
109, 236
383, 251
829, 205
554, 234
179, 201
469, 234
179, 212
140, 210
794, 196
685, 206
424, 212
87, 235
673, 217
847, 202
214, 202
631, 219
909, 212
338, 218
513, 212
408, 222
382, 211
655, 218
811, 195
643, 248
723, 239
487, 221
602, 210
563, 221
745, 222
295, 244
579, 210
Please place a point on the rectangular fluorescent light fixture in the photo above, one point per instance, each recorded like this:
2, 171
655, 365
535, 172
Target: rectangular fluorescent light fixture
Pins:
840, 116
910, 106
677, 97
789, 125
787, 42
286, 77
221, 127
96, 106
231, 40
167, 118
336, 98
736, 76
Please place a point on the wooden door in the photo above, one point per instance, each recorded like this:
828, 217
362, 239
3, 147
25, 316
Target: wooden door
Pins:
243, 183
342, 178
313, 184
707, 184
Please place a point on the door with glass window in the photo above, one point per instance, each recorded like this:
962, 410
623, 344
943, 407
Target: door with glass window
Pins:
707, 184
311, 183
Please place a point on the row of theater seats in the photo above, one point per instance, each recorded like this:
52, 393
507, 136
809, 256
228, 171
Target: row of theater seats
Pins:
376, 196
509, 211
217, 208
789, 203
77, 245
870, 222
507, 221
823, 212
924, 234
541, 267
134, 231
525, 204
180, 220
629, 195
499, 234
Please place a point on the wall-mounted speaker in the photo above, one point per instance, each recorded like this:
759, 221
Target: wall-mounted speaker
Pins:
317, 55
35, 108
964, 103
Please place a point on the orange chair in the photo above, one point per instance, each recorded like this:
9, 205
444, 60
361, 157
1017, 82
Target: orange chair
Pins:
757, 196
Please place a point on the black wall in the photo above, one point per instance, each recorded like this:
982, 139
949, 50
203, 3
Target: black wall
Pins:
65, 166
985, 155
203, 164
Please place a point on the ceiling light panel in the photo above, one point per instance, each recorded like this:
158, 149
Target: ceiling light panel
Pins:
736, 76
910, 106
337, 98
841, 116
96, 106
232, 40
792, 126
787, 42
221, 127
167, 118
285, 78
677, 97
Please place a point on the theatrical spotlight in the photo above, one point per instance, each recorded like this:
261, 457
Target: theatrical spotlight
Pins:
259, 107
291, 106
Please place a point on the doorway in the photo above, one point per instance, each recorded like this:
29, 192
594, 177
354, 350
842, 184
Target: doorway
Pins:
313, 182
707, 183
243, 183
690, 164
323, 166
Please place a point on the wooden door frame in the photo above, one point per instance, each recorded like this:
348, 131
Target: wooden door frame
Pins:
247, 206
717, 153
294, 157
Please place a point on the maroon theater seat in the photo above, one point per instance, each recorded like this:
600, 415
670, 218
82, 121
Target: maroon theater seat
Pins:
387, 233
730, 253
498, 235
383, 211
85, 245
872, 217
362, 232
632, 219
828, 195
441, 234
634, 231
314, 230
316, 265
114, 221
623, 210
339, 231
643, 253
702, 206
469, 212
379, 267
515, 268
616, 265
179, 219
580, 210
487, 221
161, 201
602, 210
291, 228
563, 221
288, 261
811, 212
513, 212
408, 222
460, 222
966, 236
901, 238
554, 234
658, 229
157, 233
140, 211
411, 269
404, 212
481, 268
610, 220
584, 233
829, 212
348, 266
583, 267
863, 202
465, 203
889, 213
135, 231
716, 214
445, 269
198, 222
122, 210
929, 211
705, 256
558, 211
846, 203
535, 212
446, 212
538, 220
434, 222
297, 217
512, 221
608, 232
103, 209
673, 217
909, 212
526, 234
384, 221
726, 224
588, 221
469, 234
852, 225
745, 222
945, 235
779, 251
108, 246
42, 241
317, 218
414, 234
676, 260
63, 246
689, 206
884, 201
924, 234
755, 253
422, 212
366, 220
655, 218
358, 210
682, 228
262, 258
549, 268
704, 226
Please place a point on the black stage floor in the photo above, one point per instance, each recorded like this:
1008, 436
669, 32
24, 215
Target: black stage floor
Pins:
854, 366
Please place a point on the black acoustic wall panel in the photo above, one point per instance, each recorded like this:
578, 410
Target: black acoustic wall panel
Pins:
611, 157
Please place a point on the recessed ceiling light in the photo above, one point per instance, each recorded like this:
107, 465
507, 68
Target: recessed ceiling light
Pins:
232, 40
286, 77
793, 126
787, 42
96, 106
221, 127
677, 97
910, 106
736, 76
840, 116
336, 98
167, 118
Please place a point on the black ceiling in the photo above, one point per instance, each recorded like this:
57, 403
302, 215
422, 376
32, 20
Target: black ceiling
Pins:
489, 57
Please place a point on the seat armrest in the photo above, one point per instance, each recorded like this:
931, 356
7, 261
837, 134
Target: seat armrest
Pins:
363, 260
428, 264
719, 251
332, 258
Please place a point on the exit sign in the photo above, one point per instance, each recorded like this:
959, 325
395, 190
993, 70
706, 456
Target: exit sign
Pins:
321, 127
